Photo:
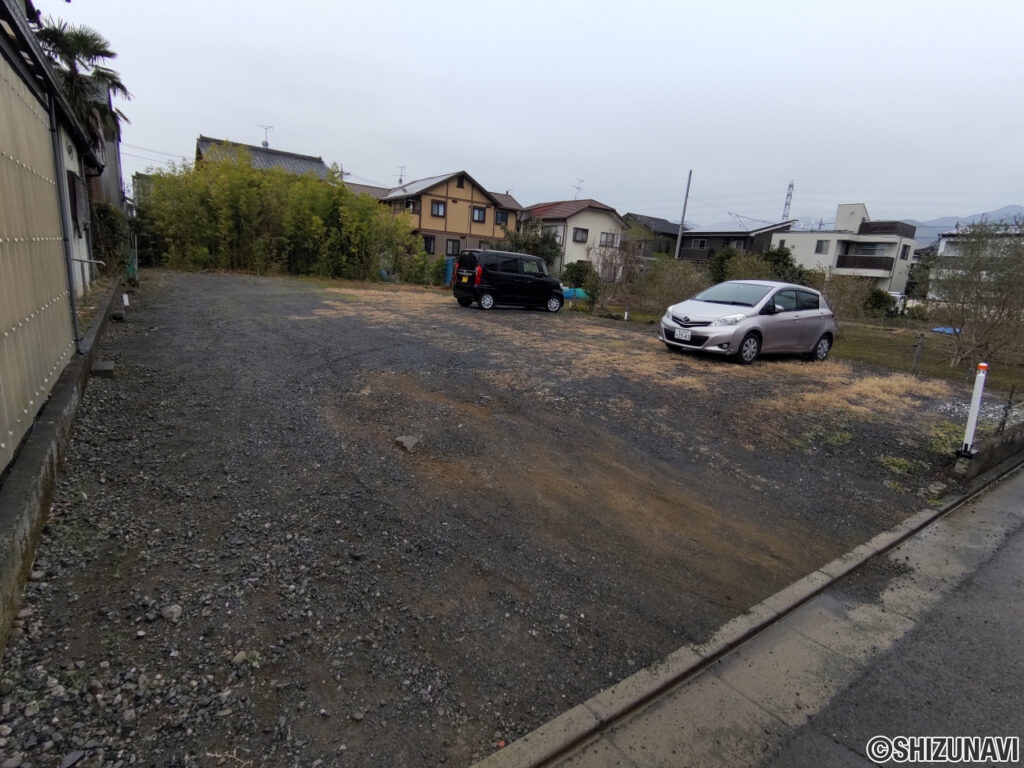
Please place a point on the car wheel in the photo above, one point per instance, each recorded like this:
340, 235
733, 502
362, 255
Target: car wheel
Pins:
465, 302
750, 348
486, 300
822, 348
554, 304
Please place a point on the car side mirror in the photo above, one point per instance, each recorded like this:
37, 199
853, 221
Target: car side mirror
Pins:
770, 308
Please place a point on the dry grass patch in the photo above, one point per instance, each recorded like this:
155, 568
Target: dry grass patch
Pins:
865, 397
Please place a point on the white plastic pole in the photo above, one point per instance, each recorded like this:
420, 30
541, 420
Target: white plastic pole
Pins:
972, 417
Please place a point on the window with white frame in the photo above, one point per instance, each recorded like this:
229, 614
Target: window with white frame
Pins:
699, 244
555, 230
608, 240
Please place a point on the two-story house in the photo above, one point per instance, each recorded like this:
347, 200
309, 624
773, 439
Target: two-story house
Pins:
858, 246
586, 229
451, 212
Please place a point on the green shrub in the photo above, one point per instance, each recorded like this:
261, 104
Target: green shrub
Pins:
878, 303
575, 274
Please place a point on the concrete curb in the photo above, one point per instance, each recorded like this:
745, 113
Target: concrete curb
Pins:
28, 489
585, 721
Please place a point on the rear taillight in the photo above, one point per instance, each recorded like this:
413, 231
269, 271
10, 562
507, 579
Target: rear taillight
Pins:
455, 271
479, 274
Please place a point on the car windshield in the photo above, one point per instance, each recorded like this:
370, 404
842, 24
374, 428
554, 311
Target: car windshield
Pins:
738, 294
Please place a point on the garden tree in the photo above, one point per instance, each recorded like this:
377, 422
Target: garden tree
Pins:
575, 273
718, 262
79, 54
532, 240
978, 289
749, 266
878, 302
782, 265
918, 278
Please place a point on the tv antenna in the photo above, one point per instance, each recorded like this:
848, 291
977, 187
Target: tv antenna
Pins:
266, 134
400, 174
578, 186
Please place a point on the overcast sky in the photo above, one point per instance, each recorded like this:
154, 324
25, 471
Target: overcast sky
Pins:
913, 108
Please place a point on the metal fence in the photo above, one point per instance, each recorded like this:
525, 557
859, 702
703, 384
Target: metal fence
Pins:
36, 332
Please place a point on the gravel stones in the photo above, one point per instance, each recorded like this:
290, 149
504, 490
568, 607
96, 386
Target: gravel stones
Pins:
364, 527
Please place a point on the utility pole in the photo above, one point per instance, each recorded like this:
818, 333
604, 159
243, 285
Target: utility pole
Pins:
682, 219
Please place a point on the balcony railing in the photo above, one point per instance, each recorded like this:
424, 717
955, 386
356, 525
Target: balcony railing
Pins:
883, 263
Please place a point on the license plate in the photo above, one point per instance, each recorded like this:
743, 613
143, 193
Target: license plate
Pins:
682, 335
465, 279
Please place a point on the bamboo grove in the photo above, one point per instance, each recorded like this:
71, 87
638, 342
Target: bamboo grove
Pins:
226, 215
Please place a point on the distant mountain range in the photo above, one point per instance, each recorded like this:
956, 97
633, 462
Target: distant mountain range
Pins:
929, 231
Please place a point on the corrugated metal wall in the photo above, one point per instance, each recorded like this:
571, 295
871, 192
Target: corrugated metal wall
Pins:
36, 334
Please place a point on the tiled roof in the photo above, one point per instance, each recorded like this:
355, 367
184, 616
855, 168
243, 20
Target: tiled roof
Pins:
653, 223
564, 209
377, 193
506, 201
262, 158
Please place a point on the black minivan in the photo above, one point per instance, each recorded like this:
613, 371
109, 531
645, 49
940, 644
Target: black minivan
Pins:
500, 277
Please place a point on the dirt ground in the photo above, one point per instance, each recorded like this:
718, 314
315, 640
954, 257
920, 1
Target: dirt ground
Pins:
250, 563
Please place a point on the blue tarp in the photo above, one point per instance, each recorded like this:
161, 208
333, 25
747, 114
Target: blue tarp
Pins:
951, 331
574, 294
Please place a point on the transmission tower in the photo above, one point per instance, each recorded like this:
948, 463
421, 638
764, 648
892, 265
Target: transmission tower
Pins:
789, 199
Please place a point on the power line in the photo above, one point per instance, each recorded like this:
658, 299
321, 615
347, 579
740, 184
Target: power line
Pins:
154, 151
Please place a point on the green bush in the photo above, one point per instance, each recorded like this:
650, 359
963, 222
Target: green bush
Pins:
575, 274
877, 303
225, 214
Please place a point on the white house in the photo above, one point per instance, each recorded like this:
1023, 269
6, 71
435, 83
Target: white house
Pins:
858, 246
586, 229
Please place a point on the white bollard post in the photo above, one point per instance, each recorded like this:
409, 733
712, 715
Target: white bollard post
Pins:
972, 418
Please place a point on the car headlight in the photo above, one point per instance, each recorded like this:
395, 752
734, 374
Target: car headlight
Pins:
728, 320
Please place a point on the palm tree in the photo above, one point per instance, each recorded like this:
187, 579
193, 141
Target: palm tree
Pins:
79, 54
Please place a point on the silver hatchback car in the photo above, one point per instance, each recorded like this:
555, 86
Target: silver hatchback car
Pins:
743, 318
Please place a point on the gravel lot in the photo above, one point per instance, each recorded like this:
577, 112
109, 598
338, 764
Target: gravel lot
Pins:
249, 562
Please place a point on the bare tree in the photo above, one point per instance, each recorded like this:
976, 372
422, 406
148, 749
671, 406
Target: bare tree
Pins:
977, 289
